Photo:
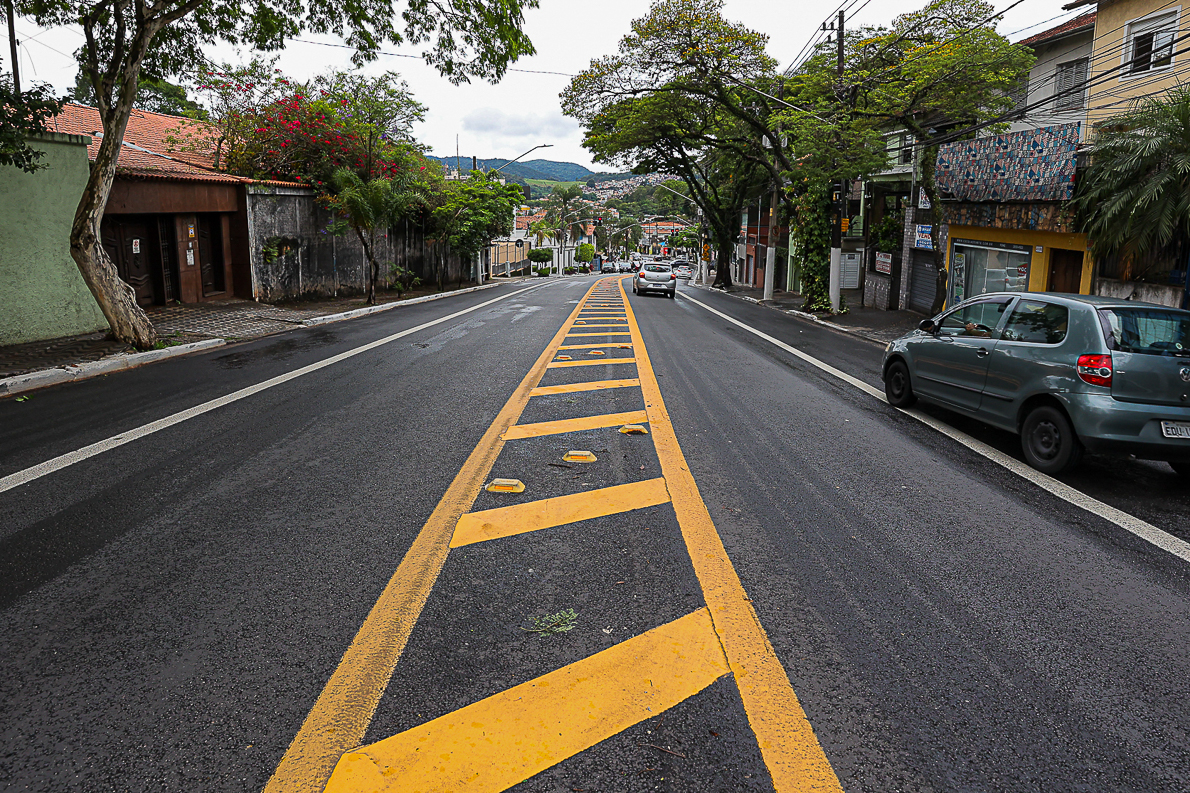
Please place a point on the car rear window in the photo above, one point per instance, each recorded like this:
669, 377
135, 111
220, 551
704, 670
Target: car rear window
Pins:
1150, 331
657, 268
1037, 322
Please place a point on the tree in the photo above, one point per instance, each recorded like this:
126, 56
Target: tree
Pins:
1133, 201
23, 115
464, 38
626, 234
542, 230
473, 212
370, 207
541, 255
585, 253
156, 96
943, 67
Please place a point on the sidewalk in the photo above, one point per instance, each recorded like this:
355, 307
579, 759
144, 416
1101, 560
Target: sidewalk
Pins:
870, 323
229, 320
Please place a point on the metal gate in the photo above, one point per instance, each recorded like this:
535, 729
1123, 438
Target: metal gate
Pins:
923, 278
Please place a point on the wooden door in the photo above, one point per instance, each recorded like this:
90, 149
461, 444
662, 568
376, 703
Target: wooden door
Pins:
210, 253
130, 245
1066, 271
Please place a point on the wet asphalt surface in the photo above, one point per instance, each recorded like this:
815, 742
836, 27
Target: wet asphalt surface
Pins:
169, 610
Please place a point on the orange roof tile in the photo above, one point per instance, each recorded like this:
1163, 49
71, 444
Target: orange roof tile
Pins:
1083, 21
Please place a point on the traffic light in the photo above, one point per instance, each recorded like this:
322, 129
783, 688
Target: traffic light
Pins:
598, 221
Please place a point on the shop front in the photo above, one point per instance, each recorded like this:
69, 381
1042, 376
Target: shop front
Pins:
982, 260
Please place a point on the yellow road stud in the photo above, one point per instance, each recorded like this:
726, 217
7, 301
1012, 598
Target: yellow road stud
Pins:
575, 456
633, 429
506, 486
562, 358
596, 352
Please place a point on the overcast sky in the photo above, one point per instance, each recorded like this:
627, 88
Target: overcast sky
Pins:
522, 111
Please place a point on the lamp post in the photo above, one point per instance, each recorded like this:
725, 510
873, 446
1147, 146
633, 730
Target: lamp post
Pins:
535, 148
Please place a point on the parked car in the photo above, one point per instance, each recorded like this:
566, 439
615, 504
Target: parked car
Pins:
683, 271
1065, 372
655, 277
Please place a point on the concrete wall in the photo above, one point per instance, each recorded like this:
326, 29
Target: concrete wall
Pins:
1161, 294
1043, 81
313, 263
42, 294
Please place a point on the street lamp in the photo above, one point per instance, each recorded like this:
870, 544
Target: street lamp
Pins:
535, 148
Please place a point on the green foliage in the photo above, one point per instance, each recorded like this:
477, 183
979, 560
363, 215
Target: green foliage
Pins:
152, 94
22, 115
1133, 201
888, 234
541, 255
474, 211
542, 272
550, 624
585, 253
403, 279
809, 243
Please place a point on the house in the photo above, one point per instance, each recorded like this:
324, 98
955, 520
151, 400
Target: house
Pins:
1005, 223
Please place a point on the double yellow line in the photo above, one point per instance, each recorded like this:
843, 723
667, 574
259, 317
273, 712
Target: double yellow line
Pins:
737, 643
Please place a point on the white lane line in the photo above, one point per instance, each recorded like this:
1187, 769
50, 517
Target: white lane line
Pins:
107, 444
1146, 531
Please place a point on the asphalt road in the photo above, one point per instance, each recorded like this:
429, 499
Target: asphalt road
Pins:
171, 609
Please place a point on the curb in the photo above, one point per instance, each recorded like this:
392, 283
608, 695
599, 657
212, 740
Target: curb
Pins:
113, 363
801, 315
363, 312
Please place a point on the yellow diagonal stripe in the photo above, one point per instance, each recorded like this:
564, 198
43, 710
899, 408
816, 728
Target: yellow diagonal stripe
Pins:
505, 739
616, 333
602, 361
589, 385
589, 346
575, 424
492, 524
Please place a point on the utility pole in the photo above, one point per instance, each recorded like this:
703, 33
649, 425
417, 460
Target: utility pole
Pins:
770, 256
838, 197
12, 47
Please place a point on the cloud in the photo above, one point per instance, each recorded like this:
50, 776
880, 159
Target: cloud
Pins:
497, 124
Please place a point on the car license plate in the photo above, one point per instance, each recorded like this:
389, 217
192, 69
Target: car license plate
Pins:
1175, 429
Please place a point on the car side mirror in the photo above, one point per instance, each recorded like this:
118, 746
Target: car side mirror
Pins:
927, 325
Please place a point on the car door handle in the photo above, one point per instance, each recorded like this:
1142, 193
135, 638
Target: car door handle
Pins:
982, 351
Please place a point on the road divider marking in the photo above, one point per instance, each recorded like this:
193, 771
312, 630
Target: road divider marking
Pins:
496, 743
792, 753
27, 475
548, 513
1130, 523
589, 346
341, 714
582, 326
602, 362
617, 333
574, 425
588, 385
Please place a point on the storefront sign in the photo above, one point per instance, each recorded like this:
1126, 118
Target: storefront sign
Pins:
922, 239
884, 263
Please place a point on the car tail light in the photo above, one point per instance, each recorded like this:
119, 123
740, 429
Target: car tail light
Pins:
1095, 369
673, 277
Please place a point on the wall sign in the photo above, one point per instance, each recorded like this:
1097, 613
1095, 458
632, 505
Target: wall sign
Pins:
136, 246
923, 200
190, 230
922, 239
884, 263
190, 257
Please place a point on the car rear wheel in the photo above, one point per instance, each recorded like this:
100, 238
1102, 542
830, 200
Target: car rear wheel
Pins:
1182, 469
1049, 442
897, 387
672, 295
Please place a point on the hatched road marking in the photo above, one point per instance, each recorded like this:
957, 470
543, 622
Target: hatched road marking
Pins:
500, 741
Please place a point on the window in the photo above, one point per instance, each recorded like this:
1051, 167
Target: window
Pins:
1150, 43
900, 149
1147, 331
1020, 97
1070, 85
1039, 323
977, 319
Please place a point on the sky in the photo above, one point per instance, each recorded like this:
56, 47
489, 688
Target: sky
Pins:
522, 110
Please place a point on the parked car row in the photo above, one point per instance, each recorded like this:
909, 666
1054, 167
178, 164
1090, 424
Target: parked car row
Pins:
1067, 373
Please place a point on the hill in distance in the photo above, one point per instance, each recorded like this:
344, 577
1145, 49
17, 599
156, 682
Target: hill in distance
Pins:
543, 170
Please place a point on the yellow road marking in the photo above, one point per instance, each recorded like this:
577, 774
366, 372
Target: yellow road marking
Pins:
492, 524
605, 325
560, 364
617, 333
590, 385
574, 425
791, 751
500, 741
343, 710
587, 346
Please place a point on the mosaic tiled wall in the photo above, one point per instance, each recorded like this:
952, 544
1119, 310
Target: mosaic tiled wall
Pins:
1032, 165
1039, 216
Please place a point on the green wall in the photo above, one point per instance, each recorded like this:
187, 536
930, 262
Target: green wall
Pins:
42, 294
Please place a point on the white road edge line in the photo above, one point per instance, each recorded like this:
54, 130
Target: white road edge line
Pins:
1130, 523
107, 444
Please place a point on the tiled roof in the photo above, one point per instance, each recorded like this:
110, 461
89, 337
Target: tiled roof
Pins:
148, 151
1079, 23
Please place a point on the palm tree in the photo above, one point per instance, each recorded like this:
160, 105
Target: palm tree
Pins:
542, 231
371, 206
1134, 199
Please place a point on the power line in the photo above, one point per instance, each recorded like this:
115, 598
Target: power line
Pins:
418, 57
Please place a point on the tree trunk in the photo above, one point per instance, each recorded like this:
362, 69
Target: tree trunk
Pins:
723, 255
116, 299
373, 267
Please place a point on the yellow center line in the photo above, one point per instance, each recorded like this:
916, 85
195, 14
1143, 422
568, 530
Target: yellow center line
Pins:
790, 749
605, 333
591, 346
588, 385
600, 362
341, 714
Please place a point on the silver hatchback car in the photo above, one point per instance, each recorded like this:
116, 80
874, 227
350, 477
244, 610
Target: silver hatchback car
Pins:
655, 277
1065, 372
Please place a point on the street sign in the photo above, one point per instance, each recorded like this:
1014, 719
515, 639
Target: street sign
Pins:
520, 243
884, 263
